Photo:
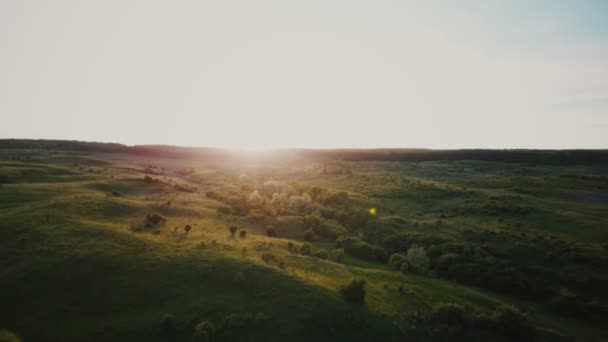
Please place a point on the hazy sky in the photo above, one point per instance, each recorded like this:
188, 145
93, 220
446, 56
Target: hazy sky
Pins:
439, 74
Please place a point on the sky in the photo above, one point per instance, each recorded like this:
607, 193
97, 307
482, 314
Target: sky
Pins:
315, 74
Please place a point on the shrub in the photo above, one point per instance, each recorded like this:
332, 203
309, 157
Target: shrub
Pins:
187, 228
291, 247
568, 303
397, 259
235, 321
243, 234
312, 221
167, 323
362, 249
116, 194
380, 254
334, 198
270, 232
203, 331
417, 259
404, 268
225, 210
510, 321
450, 316
354, 291
328, 229
306, 249
233, 230
256, 216
9, 336
268, 258
154, 219
184, 188
320, 253
309, 235
337, 254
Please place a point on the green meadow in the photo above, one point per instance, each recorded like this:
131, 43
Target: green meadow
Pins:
103, 243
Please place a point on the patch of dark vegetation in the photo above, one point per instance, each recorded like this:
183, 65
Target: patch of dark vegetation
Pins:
496, 206
184, 188
455, 321
361, 249
354, 291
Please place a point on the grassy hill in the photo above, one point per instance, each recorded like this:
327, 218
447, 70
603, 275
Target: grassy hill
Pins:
103, 242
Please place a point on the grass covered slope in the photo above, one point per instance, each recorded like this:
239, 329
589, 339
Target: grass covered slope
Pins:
120, 247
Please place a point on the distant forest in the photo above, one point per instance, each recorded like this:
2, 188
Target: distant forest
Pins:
384, 154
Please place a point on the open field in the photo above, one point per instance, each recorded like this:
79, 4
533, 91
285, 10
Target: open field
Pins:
109, 243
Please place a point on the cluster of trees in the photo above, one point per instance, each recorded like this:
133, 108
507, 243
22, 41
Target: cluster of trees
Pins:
362, 249
452, 319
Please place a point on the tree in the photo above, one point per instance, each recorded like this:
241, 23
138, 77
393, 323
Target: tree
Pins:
233, 230
354, 291
255, 199
417, 259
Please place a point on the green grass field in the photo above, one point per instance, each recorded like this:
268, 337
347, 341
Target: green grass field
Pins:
79, 260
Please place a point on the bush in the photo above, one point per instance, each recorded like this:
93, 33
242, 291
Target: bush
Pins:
9, 336
354, 291
306, 249
320, 253
291, 247
154, 219
450, 316
187, 228
380, 254
510, 321
167, 323
329, 230
397, 259
233, 230
256, 216
203, 331
243, 234
337, 254
270, 232
312, 221
355, 246
404, 268
309, 235
235, 322
334, 198
417, 259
